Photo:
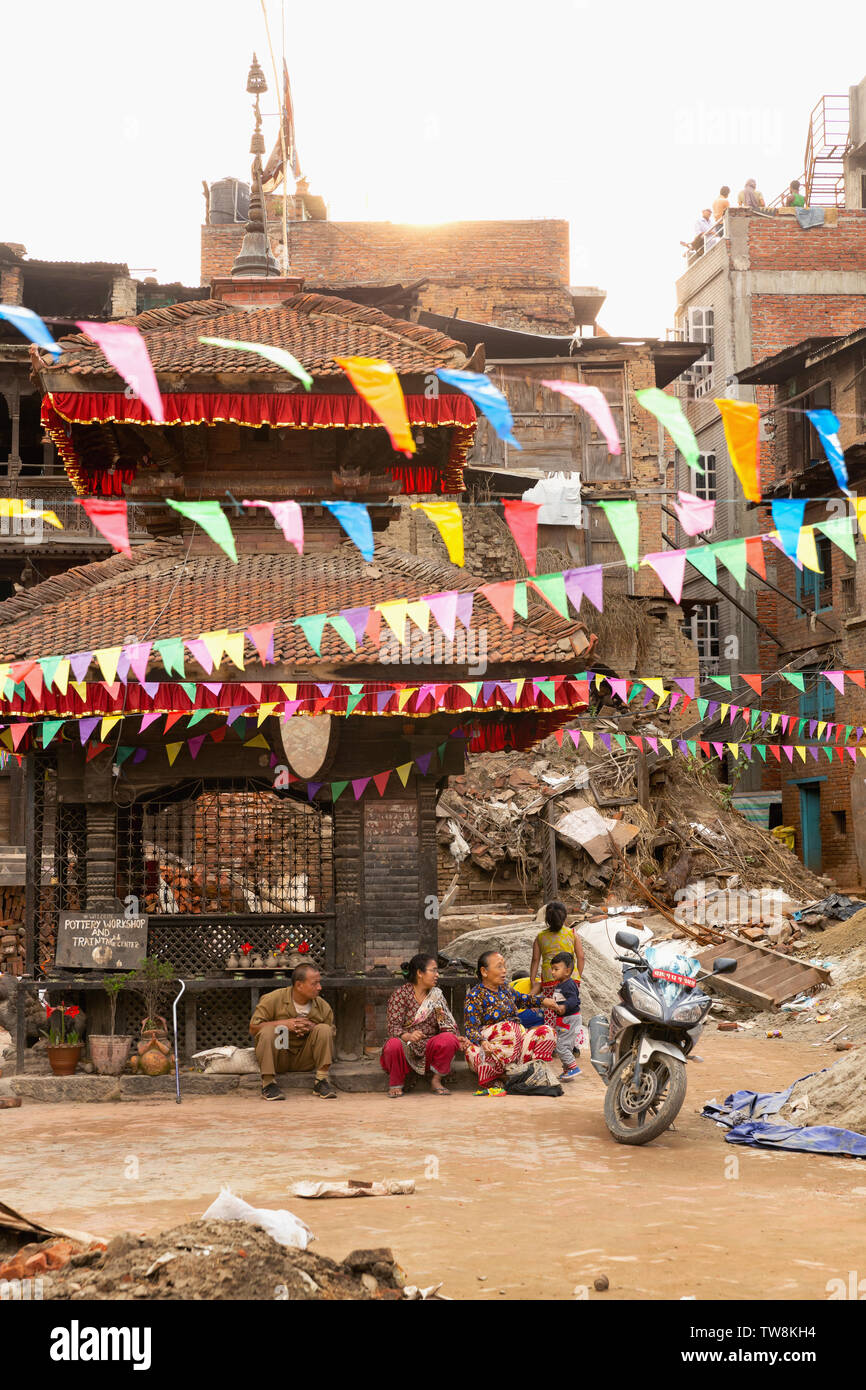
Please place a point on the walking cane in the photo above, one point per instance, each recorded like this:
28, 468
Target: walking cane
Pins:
174, 1023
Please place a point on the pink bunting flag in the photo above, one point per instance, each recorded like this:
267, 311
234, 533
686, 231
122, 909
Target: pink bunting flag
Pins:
138, 654
125, 349
585, 583
444, 610
670, 566
289, 518
199, 652
358, 786
464, 608
592, 400
686, 685
695, 513
619, 687
575, 736
262, 637
836, 678
148, 719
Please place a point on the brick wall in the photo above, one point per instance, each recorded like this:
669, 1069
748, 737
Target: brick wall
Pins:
511, 273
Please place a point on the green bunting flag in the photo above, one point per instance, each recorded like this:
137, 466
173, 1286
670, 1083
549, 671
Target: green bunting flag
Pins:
702, 707
733, 556
723, 681
701, 557
355, 696
189, 689
197, 716
620, 738
552, 588
669, 413
277, 355
49, 730
344, 629
762, 749
841, 532
625, 524
520, 600
795, 678
312, 627
337, 789
212, 519
171, 652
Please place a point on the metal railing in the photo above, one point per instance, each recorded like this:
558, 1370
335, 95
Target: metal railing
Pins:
712, 237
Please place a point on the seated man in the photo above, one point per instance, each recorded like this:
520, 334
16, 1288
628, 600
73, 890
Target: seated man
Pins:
294, 1031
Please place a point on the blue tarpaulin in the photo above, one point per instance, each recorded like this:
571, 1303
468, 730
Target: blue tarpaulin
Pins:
743, 1115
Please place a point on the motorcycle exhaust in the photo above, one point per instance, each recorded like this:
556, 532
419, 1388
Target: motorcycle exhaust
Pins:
600, 1053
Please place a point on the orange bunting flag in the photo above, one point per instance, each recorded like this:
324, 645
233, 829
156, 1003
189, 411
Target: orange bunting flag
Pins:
740, 419
378, 384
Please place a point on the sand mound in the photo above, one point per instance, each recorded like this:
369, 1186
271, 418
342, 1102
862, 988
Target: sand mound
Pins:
836, 1096
222, 1260
842, 936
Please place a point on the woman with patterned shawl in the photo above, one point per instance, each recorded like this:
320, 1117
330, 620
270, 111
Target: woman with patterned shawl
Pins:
496, 1038
422, 1032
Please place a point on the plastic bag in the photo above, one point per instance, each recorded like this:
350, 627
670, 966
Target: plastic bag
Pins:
282, 1226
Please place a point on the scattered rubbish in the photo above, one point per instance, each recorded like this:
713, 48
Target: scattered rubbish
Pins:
798, 1005
163, 1259
282, 1226
773, 1033
836, 1106
354, 1187
837, 906
228, 1060
832, 1035
413, 1292
844, 1046
601, 1283
586, 829
728, 1026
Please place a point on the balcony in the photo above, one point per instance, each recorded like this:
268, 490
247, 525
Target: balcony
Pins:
78, 531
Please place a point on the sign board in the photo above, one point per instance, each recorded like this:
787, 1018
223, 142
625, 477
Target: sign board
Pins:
101, 940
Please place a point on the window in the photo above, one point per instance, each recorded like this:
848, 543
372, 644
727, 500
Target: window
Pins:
597, 463
704, 484
701, 626
807, 449
815, 591
818, 700
838, 818
701, 328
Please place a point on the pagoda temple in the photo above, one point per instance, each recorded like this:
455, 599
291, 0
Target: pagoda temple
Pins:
239, 777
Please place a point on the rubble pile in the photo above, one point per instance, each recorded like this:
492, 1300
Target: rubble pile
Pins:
494, 827
222, 1260
836, 1096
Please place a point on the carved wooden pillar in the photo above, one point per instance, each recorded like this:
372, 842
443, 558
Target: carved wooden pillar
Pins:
101, 855
349, 925
428, 874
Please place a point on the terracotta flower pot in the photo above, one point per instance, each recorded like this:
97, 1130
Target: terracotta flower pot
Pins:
64, 1059
109, 1055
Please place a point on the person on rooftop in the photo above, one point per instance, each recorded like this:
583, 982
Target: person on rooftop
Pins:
702, 226
721, 203
795, 198
749, 197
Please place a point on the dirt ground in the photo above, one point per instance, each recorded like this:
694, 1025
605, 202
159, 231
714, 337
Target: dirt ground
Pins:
517, 1198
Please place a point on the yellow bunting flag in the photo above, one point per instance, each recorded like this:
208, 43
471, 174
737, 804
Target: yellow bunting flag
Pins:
403, 772
740, 419
259, 741
807, 551
723, 711
821, 727
11, 506
265, 712
107, 658
107, 725
394, 614
519, 684
447, 518
404, 696
655, 684
590, 737
419, 613
172, 749
290, 690
61, 676
666, 743
234, 649
378, 384
215, 644
801, 750
664, 695
774, 720
80, 688
735, 749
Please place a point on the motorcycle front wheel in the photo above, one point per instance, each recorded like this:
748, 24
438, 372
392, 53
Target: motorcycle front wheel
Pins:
637, 1116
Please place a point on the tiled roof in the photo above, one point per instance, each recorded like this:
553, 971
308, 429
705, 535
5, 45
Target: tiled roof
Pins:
315, 328
158, 594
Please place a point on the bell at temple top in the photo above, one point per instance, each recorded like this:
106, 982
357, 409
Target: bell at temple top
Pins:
257, 143
256, 83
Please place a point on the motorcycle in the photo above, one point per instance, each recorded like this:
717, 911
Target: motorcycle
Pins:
640, 1053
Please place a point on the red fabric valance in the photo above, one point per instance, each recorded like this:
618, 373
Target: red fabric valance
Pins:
300, 411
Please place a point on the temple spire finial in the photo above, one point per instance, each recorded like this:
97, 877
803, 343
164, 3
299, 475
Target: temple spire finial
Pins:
255, 258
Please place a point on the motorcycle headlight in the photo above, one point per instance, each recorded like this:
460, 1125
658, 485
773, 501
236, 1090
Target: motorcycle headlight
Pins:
644, 1000
692, 1011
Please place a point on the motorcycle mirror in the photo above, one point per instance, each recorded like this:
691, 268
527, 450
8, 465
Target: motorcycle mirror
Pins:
627, 940
724, 965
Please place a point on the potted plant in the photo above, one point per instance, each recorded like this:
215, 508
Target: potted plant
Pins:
109, 1054
62, 1043
152, 979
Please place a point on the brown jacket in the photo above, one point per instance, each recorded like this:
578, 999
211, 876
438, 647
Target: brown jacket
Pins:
278, 1003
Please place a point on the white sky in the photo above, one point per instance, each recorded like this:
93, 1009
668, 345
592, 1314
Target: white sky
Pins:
621, 116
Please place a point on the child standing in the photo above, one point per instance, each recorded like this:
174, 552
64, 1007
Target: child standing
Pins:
553, 938
565, 1002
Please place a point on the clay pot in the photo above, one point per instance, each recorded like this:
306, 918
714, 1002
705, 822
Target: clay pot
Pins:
257, 963
109, 1055
272, 961
245, 962
232, 961
154, 1050
63, 1060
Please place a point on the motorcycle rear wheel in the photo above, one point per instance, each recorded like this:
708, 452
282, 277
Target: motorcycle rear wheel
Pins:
630, 1126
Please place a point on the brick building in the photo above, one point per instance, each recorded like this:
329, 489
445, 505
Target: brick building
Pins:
824, 798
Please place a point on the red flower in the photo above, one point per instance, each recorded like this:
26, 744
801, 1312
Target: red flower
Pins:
73, 1011
303, 947
48, 1010
246, 948
282, 946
